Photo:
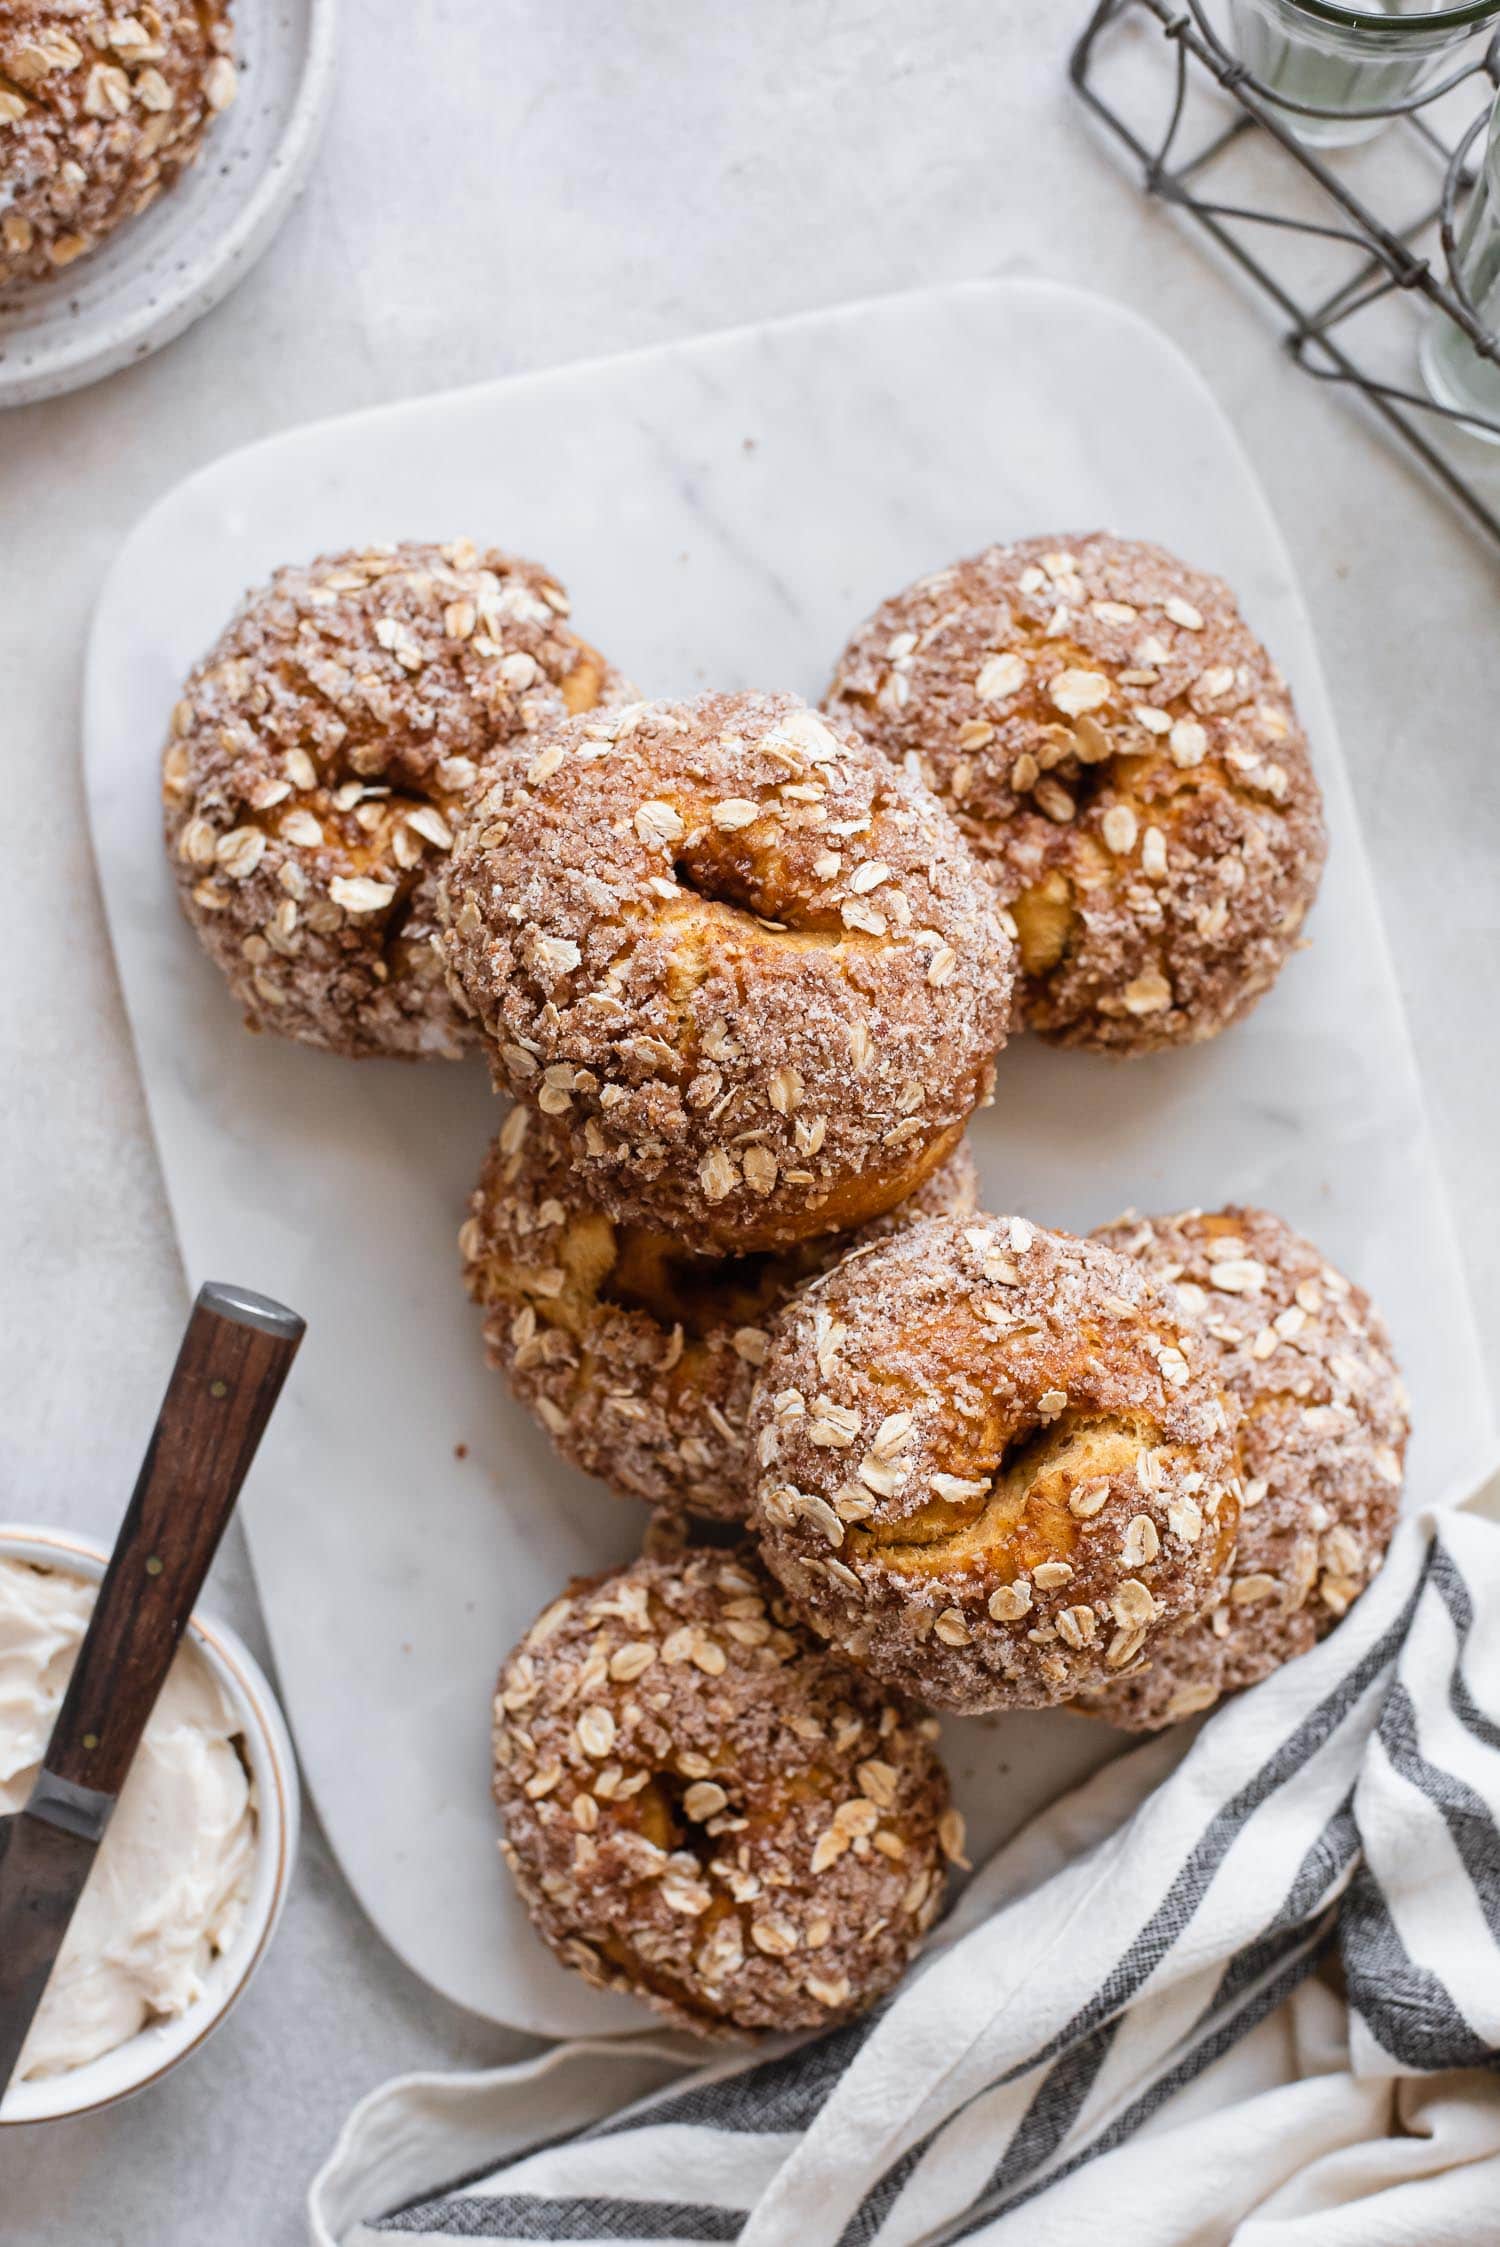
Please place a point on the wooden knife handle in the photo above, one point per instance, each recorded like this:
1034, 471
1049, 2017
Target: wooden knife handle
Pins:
235, 1355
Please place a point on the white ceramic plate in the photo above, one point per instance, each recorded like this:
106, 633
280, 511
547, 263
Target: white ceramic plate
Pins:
158, 273
724, 511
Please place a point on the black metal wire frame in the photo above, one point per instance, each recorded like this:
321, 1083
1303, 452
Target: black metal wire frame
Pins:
1389, 263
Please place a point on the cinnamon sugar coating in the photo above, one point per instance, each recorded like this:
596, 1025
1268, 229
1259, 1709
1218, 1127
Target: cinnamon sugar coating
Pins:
99, 111
1322, 1441
993, 1468
706, 1810
749, 972
1124, 756
637, 1355
320, 758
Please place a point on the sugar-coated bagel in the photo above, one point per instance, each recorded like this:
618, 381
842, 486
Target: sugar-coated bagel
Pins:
321, 757
1124, 756
749, 972
706, 1809
993, 1466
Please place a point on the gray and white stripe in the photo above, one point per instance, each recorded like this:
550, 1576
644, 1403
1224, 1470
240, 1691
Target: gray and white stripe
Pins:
1352, 1801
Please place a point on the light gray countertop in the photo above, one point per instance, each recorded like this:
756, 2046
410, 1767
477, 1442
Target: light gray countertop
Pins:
508, 189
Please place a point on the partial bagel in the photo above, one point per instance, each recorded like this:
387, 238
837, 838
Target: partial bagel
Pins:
1322, 1441
637, 1355
993, 1468
323, 753
749, 973
100, 111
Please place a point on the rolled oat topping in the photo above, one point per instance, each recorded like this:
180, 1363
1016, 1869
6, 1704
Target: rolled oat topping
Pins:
994, 1467
705, 1809
1322, 1442
750, 974
637, 1355
320, 759
1124, 756
99, 111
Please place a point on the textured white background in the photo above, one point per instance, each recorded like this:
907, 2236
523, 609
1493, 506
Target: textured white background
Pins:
504, 189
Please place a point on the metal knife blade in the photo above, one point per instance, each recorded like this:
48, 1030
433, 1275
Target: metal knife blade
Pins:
43, 1868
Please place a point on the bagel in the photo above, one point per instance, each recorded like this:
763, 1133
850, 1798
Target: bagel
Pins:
99, 111
635, 1354
1124, 757
991, 1466
708, 1811
750, 974
1322, 1443
320, 757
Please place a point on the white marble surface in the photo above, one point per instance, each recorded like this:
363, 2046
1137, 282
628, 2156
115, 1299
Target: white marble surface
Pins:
502, 190
743, 532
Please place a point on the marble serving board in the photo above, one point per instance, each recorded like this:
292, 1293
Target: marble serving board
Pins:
723, 511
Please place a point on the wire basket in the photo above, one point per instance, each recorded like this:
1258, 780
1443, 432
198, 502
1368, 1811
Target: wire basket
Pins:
1214, 107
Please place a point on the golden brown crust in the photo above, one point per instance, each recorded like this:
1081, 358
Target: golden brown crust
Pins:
750, 973
991, 1467
1124, 756
708, 1811
637, 1356
321, 756
1322, 1440
99, 111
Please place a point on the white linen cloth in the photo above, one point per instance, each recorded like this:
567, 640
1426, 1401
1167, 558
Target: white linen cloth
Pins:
1121, 2014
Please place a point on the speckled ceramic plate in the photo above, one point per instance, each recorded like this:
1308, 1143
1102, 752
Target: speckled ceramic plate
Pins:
157, 274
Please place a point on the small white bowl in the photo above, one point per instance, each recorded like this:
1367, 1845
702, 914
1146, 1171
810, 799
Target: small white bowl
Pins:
146, 2057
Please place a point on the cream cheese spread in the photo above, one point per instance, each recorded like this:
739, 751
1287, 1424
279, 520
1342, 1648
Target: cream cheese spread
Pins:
168, 1890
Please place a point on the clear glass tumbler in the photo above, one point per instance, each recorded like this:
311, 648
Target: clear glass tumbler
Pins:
1349, 62
1455, 373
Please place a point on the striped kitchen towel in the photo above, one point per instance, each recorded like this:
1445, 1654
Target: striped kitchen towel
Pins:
1118, 2015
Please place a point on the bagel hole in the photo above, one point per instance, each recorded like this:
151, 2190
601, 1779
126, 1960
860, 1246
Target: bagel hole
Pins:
702, 1294
940, 1519
393, 927
725, 877
662, 1805
1085, 780
1047, 911
370, 851
1022, 1516
636, 1269
721, 872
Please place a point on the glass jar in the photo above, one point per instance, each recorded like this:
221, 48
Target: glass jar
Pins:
1349, 62
1455, 373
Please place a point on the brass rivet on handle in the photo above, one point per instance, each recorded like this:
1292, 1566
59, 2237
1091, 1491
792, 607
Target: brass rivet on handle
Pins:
91, 1739
218, 1388
154, 1565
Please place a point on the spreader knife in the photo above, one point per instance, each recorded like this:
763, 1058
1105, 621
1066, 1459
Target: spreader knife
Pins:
235, 1355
